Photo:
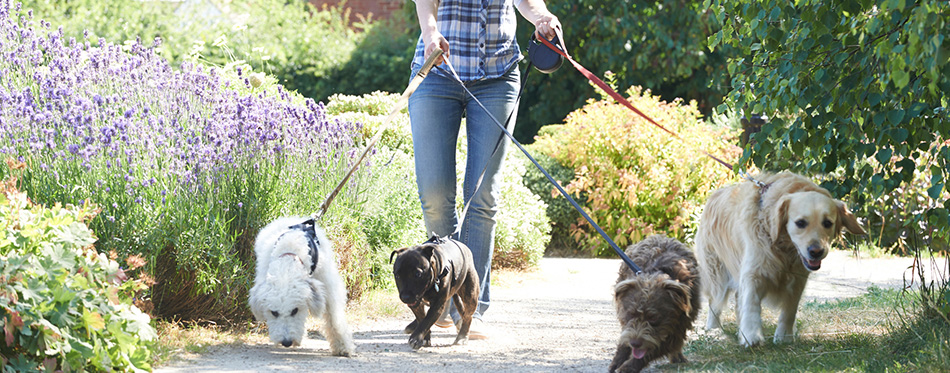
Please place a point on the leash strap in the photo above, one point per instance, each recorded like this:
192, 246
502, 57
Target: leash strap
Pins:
626, 259
400, 104
616, 96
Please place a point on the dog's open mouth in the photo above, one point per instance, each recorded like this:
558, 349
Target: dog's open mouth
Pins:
638, 353
811, 264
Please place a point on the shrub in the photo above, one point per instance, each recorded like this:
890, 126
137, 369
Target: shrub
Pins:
638, 180
559, 210
523, 229
186, 163
63, 305
289, 39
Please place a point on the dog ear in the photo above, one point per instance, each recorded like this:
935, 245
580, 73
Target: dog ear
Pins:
848, 220
396, 252
255, 302
680, 294
778, 217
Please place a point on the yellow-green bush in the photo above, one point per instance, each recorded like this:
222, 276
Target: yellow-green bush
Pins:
637, 179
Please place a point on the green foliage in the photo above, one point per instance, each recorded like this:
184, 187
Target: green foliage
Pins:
289, 39
559, 210
637, 179
523, 229
857, 90
64, 306
659, 45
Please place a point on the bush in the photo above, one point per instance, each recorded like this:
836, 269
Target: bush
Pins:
289, 39
186, 163
523, 229
638, 180
562, 214
63, 305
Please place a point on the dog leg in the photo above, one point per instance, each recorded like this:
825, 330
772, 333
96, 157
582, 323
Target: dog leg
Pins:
335, 326
749, 312
717, 300
632, 365
623, 353
422, 335
466, 301
785, 331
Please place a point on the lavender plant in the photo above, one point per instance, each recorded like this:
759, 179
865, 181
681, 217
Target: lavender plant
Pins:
186, 162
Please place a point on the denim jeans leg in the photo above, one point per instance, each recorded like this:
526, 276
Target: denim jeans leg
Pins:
435, 112
499, 96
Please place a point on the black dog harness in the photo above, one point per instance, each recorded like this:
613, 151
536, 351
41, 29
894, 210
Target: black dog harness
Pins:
443, 242
308, 227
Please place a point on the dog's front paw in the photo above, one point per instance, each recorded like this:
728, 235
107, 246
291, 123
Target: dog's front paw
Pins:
783, 338
750, 339
417, 342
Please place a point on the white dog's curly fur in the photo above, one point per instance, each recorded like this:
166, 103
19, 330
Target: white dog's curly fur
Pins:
285, 292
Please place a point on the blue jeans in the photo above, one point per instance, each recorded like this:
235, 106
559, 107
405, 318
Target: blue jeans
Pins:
435, 113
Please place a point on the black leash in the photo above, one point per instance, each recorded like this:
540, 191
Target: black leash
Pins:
626, 259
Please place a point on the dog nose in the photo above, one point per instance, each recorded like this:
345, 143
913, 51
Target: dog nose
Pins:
636, 343
816, 252
287, 343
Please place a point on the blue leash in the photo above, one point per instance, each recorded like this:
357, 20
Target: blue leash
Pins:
626, 259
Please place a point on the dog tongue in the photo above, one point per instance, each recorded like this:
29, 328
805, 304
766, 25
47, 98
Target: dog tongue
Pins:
814, 264
639, 353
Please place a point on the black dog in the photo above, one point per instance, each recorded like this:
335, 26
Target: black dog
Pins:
429, 274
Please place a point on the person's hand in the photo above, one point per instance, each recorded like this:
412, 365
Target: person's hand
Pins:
435, 40
546, 25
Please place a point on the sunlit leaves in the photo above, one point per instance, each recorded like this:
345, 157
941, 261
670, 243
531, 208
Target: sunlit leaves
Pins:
869, 78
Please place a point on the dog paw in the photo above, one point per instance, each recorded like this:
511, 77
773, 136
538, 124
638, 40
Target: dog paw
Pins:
417, 342
751, 340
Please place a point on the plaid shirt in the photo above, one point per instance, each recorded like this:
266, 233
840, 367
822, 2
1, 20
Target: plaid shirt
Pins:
481, 36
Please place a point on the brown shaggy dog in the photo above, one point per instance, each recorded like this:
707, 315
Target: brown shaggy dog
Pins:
656, 307
762, 242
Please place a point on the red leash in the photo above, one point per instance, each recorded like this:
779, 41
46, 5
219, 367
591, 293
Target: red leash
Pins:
616, 96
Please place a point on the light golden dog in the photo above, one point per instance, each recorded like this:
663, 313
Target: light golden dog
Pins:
762, 242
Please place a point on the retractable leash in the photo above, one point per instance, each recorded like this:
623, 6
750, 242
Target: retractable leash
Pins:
633, 266
401, 103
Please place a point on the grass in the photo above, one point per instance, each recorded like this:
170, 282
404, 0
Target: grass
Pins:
873, 332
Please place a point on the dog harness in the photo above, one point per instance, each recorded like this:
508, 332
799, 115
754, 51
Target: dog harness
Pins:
308, 227
441, 242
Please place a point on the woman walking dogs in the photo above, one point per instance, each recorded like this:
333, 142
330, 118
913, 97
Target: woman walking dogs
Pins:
477, 38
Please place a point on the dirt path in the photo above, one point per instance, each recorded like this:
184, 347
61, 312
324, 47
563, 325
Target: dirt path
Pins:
559, 318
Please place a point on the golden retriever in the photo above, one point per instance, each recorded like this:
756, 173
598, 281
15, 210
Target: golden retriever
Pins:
762, 242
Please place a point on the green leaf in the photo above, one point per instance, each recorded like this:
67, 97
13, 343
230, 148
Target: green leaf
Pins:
895, 117
935, 191
879, 119
884, 156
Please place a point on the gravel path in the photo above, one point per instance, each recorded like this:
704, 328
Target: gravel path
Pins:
559, 318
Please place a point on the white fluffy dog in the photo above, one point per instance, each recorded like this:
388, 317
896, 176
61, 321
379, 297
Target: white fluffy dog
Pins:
297, 276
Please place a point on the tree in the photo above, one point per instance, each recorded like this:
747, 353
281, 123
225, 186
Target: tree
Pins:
659, 45
857, 89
